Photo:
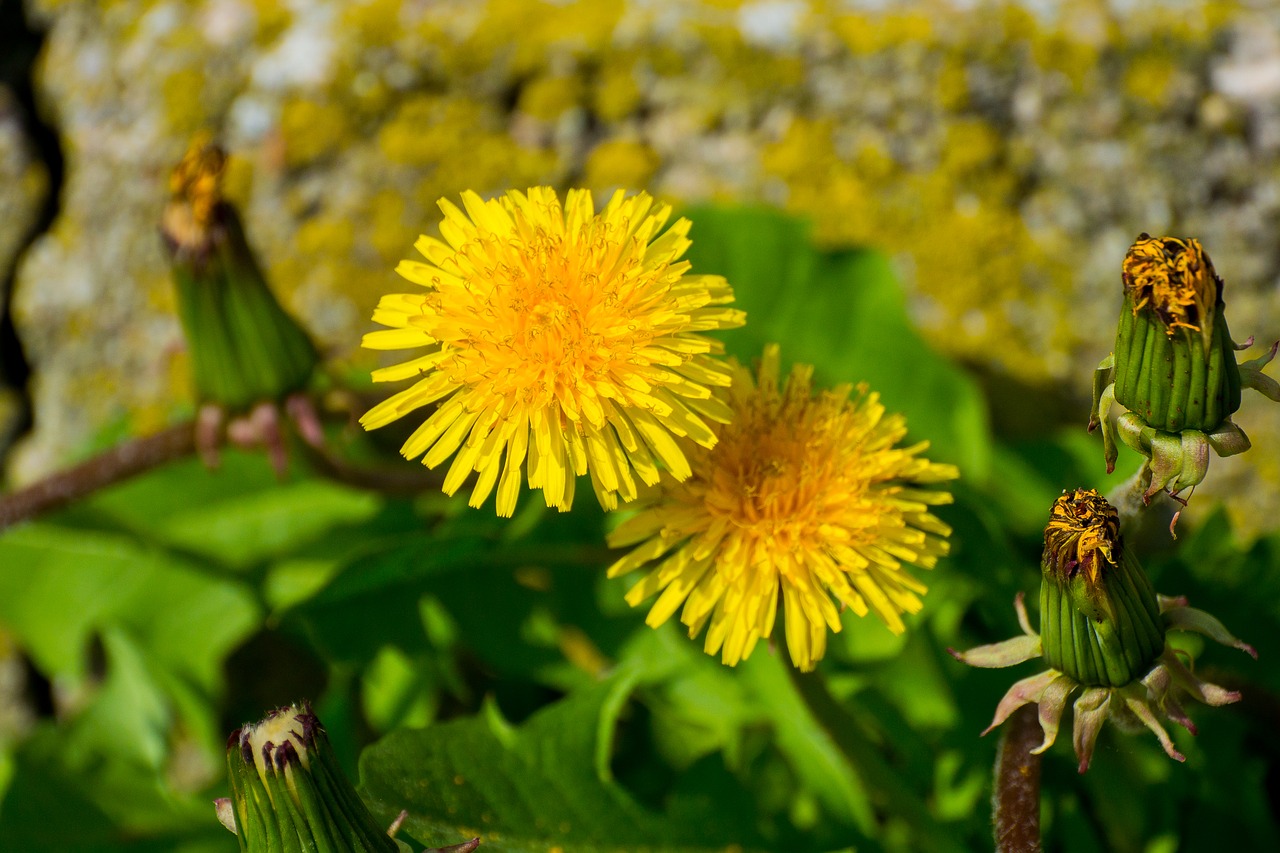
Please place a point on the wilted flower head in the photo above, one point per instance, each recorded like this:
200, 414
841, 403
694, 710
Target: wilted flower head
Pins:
808, 498
1174, 366
195, 192
559, 340
1103, 632
244, 347
1173, 278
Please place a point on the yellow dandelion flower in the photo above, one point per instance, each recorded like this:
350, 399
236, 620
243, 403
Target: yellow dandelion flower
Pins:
556, 340
805, 496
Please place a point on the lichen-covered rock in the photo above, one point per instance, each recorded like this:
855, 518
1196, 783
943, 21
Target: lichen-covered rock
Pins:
1005, 157
23, 185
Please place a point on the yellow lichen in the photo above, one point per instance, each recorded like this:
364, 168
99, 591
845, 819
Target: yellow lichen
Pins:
311, 130
616, 94
184, 108
274, 18
1149, 77
548, 97
620, 163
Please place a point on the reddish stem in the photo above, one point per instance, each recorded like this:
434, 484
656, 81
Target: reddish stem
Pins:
1015, 803
119, 463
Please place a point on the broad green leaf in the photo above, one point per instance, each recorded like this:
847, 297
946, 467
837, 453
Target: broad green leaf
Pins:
102, 779
533, 787
237, 515
59, 585
844, 313
374, 600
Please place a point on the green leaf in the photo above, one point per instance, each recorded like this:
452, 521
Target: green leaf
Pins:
844, 313
58, 586
238, 515
374, 600
527, 788
817, 760
101, 780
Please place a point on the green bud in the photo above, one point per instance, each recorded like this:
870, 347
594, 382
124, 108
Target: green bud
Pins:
244, 347
1099, 619
289, 795
1175, 364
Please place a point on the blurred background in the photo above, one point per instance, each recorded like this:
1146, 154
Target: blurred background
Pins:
1000, 157
1003, 154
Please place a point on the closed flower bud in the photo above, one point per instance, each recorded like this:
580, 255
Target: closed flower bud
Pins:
244, 347
1099, 621
289, 794
1174, 367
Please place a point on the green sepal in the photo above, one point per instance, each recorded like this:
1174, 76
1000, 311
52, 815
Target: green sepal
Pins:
1175, 379
1103, 633
1103, 378
245, 348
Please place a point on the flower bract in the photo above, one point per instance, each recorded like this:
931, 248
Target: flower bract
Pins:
558, 341
808, 499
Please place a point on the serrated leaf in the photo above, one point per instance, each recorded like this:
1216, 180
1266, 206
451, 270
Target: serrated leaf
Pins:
541, 784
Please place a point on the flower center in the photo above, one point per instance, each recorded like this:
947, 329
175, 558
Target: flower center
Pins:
779, 474
556, 319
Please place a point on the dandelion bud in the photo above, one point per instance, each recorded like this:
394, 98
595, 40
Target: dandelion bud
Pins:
1102, 633
244, 347
289, 794
1174, 360
1174, 367
1099, 620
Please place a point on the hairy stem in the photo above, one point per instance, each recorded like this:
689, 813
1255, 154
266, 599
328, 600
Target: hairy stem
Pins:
121, 462
1015, 802
139, 455
1146, 526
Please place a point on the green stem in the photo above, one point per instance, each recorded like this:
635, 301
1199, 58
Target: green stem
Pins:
1145, 526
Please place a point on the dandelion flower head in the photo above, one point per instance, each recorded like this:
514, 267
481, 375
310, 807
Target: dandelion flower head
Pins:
557, 342
807, 497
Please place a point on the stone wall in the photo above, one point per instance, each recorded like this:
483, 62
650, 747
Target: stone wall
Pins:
1004, 154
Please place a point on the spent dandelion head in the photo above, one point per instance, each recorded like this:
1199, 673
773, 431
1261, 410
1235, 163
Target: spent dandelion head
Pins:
806, 497
556, 340
195, 198
247, 354
1173, 371
1103, 632
1175, 278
